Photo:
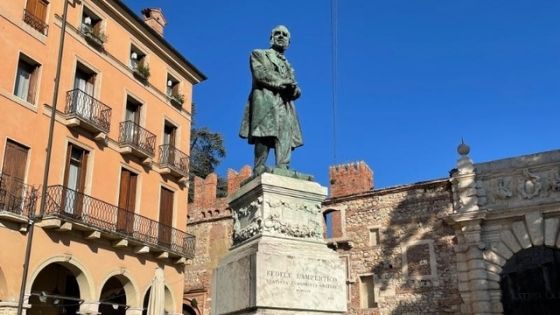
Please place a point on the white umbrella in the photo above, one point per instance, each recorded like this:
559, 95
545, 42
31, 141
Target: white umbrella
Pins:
156, 303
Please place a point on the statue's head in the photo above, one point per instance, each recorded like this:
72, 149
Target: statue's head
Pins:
280, 38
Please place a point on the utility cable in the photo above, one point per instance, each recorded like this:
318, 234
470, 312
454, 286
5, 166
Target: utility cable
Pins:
334, 74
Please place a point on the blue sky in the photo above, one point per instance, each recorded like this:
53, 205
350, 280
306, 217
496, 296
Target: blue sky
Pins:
414, 76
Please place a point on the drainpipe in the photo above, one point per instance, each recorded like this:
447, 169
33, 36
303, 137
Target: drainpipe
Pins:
32, 217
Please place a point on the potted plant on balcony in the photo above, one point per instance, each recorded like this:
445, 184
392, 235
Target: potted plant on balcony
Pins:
177, 99
94, 35
142, 71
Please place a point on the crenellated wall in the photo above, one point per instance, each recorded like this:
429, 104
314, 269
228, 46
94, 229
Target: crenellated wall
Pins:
206, 204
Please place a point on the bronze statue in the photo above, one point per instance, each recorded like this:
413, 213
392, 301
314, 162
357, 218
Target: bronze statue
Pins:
270, 119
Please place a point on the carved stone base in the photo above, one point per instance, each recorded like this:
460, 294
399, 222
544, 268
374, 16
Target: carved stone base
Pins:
279, 263
269, 275
278, 206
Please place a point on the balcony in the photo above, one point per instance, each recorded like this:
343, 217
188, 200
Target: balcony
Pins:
173, 162
141, 71
93, 36
67, 209
17, 200
176, 99
35, 22
85, 111
137, 141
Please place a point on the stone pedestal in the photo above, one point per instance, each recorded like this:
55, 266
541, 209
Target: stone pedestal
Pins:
279, 263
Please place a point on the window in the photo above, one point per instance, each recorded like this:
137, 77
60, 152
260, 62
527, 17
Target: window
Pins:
172, 85
84, 79
165, 216
333, 224
35, 15
169, 134
367, 292
373, 236
132, 110
131, 131
138, 63
26, 79
74, 179
82, 101
127, 200
92, 28
172, 91
167, 150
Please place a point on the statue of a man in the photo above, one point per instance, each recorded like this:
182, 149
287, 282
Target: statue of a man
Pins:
270, 119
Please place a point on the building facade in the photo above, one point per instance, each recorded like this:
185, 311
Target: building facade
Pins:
483, 241
115, 205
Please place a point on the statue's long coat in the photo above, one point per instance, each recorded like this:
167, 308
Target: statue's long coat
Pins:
266, 111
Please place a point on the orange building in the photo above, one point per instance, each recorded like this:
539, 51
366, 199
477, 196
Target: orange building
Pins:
115, 205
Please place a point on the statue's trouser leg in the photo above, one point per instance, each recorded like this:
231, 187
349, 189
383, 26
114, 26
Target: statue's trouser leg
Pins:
283, 146
261, 154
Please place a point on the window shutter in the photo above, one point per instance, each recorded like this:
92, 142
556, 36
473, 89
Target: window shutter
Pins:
41, 10
31, 7
132, 192
33, 85
123, 193
15, 160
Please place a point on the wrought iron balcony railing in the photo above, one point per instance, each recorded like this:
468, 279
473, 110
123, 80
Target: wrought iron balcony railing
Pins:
35, 22
17, 197
176, 160
77, 207
85, 107
131, 134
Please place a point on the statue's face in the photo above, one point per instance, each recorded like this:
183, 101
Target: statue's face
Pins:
280, 38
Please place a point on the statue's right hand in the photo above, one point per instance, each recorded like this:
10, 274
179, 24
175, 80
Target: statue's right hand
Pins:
288, 85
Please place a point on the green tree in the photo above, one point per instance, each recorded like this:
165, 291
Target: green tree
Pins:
207, 151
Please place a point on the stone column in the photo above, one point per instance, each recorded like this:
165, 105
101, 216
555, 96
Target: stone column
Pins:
134, 311
467, 218
89, 308
279, 263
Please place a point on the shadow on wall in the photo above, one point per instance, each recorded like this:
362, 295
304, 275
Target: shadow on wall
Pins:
397, 235
417, 252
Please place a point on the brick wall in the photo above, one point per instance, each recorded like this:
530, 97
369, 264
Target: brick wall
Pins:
349, 179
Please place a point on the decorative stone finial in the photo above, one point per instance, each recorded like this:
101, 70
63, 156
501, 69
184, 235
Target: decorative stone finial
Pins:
463, 149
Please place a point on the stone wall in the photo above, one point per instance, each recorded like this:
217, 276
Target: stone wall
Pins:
396, 237
211, 223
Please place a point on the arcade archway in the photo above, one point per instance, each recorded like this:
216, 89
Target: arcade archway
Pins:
55, 290
530, 282
113, 297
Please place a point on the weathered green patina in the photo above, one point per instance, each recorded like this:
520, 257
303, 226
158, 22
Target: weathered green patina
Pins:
270, 119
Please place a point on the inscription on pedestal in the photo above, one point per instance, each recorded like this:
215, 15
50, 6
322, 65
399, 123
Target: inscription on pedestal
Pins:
301, 282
